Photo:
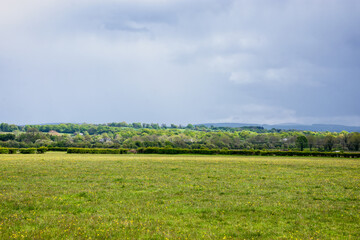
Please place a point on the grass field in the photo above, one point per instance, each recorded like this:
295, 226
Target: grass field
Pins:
63, 196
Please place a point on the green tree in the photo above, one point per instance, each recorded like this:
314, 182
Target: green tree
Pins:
4, 127
301, 142
6, 137
354, 141
311, 141
329, 142
155, 126
137, 125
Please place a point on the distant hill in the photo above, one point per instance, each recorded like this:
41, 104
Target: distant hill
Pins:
290, 126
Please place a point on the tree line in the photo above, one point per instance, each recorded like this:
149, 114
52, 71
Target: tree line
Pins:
133, 136
115, 127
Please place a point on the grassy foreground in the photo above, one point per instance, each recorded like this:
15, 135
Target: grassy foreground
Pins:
63, 196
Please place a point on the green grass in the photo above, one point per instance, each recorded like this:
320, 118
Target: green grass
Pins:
63, 196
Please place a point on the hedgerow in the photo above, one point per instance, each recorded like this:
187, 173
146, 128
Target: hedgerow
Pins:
23, 150
155, 150
97, 151
57, 149
42, 150
13, 150
27, 150
4, 150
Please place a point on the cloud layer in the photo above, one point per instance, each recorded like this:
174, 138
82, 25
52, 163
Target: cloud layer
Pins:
180, 61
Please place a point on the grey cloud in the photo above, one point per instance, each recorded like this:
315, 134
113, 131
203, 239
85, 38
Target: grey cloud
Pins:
181, 61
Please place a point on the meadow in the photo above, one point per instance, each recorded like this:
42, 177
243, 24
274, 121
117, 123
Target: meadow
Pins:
79, 196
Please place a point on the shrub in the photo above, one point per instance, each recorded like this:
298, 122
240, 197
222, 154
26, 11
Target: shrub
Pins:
42, 150
206, 151
13, 150
97, 151
156, 150
4, 150
7, 137
57, 149
27, 150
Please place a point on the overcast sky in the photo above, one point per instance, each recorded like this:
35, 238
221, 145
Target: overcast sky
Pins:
180, 61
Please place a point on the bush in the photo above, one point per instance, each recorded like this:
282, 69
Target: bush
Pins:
13, 150
97, 151
156, 150
206, 151
57, 149
42, 150
7, 137
4, 150
27, 150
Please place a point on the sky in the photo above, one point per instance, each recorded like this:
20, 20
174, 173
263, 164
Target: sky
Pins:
180, 61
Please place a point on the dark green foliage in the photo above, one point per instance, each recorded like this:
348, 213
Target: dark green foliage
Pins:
329, 142
42, 150
156, 150
354, 140
153, 150
121, 124
97, 151
13, 150
4, 151
27, 150
301, 142
136, 125
57, 149
31, 136
4, 127
7, 137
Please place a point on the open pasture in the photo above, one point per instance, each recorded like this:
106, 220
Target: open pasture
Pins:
63, 196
